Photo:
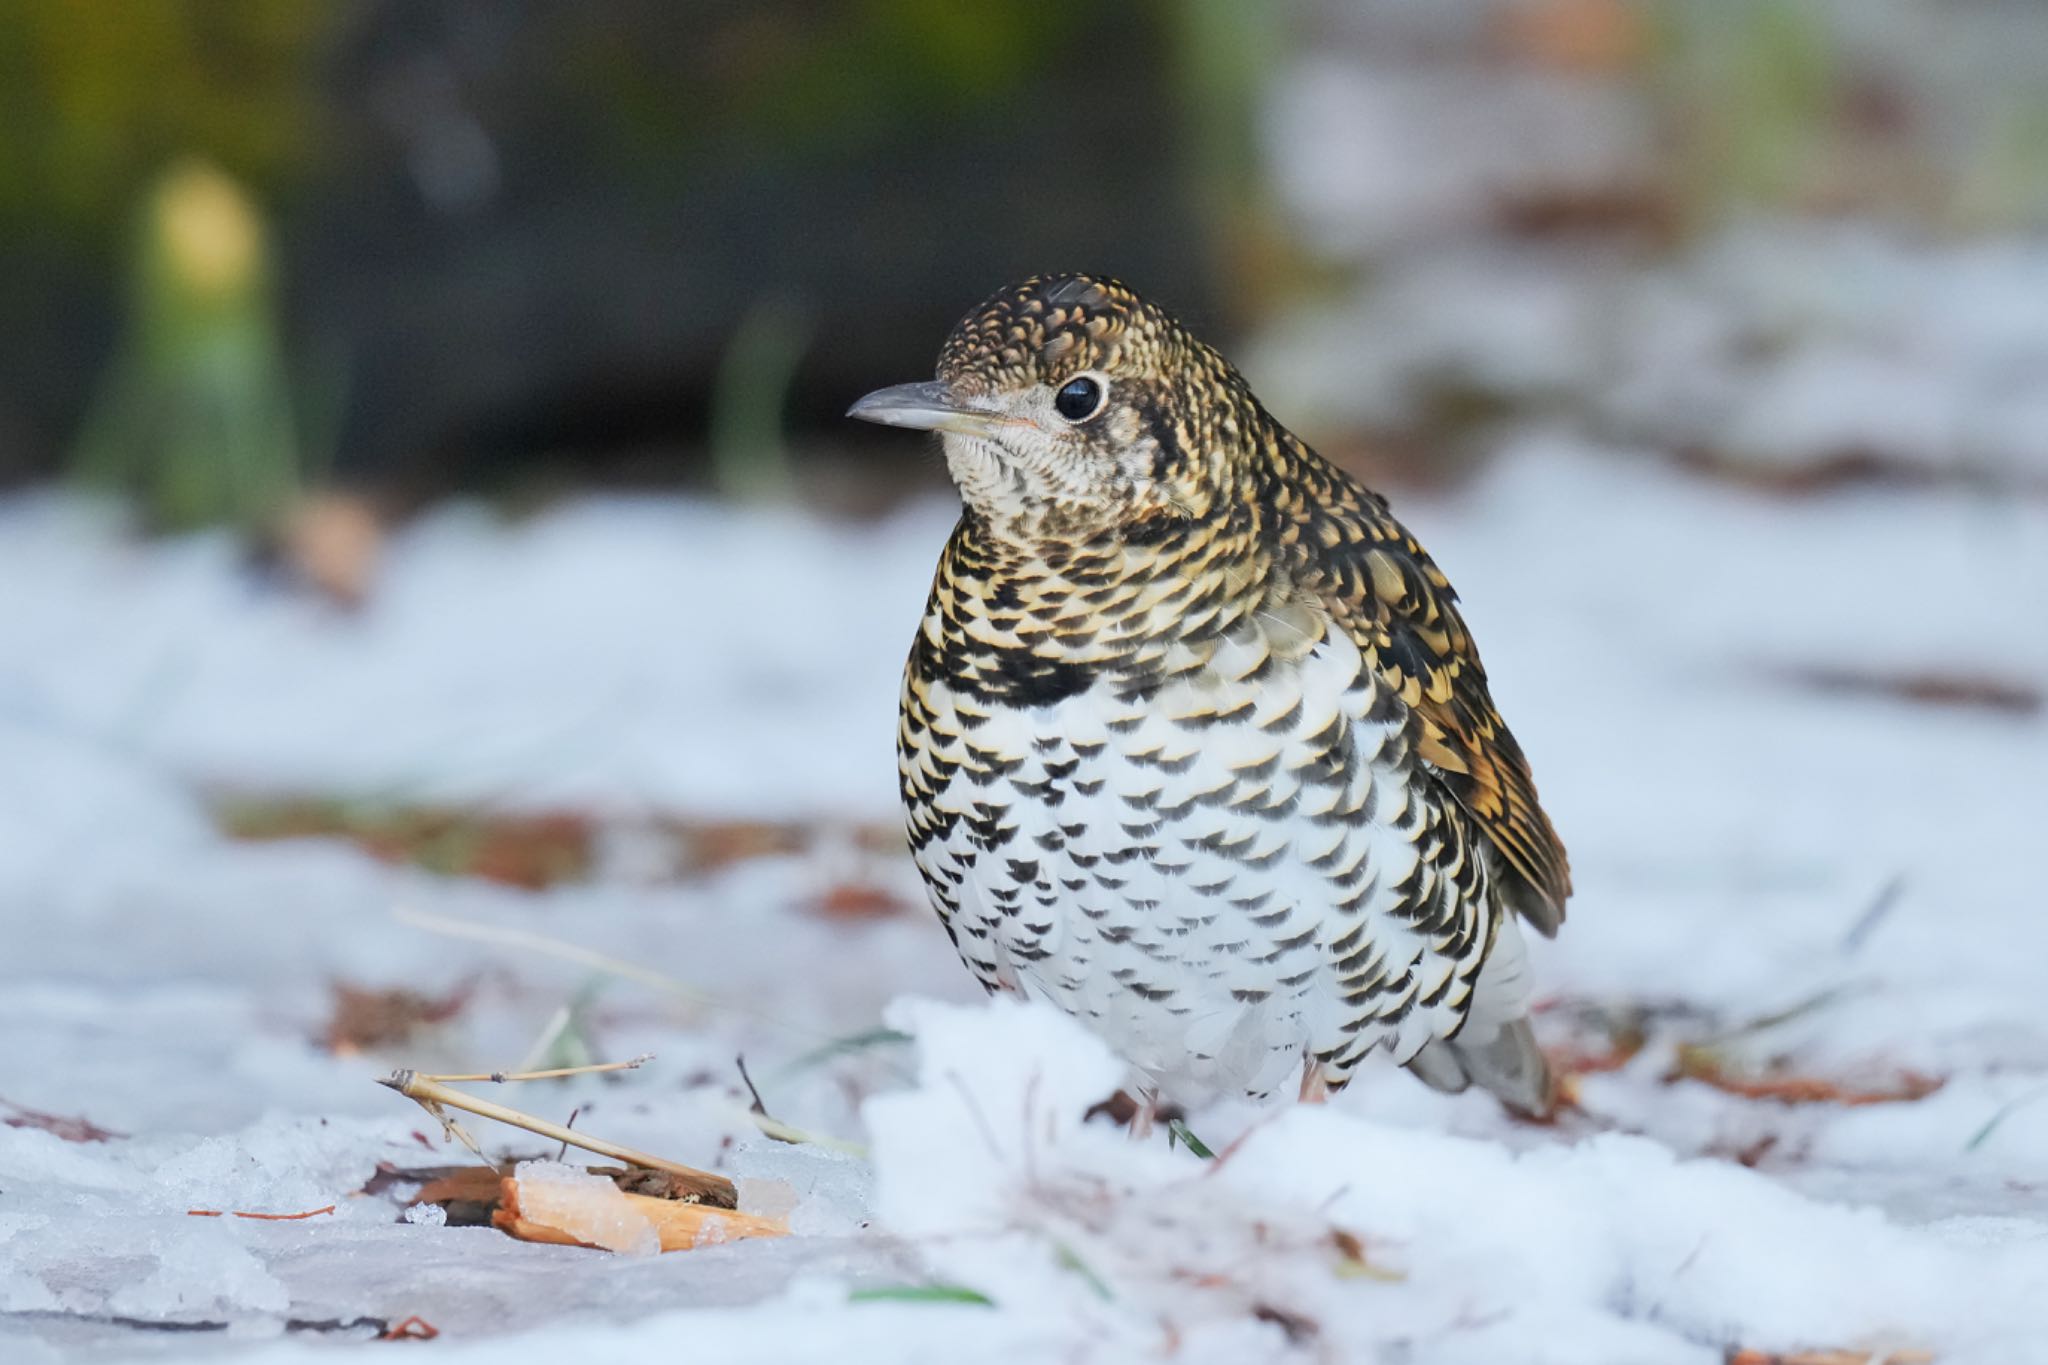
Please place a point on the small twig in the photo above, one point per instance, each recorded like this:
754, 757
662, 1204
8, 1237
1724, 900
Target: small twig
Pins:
1070, 1260
452, 927
558, 1024
855, 1043
1237, 1144
1881, 905
564, 1152
431, 1094
1764, 1022
265, 1217
760, 1107
785, 1132
549, 1075
562, 949
2005, 1111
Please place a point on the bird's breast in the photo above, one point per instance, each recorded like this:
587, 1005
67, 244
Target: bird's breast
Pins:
1170, 852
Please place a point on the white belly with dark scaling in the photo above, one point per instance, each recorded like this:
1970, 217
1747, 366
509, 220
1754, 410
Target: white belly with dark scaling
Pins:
1217, 898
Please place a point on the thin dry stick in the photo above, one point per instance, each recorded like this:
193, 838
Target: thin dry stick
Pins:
501, 1076
785, 1132
558, 1024
263, 1217
452, 927
566, 951
431, 1094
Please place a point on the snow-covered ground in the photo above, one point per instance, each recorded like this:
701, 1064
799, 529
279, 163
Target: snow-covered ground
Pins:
1703, 677
1787, 348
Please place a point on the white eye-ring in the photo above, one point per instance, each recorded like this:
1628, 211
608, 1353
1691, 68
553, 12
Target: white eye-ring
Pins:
1081, 397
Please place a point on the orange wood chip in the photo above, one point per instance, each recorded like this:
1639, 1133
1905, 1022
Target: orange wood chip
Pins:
680, 1226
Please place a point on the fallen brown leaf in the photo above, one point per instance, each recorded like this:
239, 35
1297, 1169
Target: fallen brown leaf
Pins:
366, 1018
1702, 1065
1588, 37
531, 851
1830, 1357
414, 1328
1973, 691
850, 900
74, 1129
333, 541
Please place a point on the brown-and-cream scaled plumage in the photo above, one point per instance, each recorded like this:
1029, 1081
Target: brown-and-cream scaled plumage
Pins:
1194, 743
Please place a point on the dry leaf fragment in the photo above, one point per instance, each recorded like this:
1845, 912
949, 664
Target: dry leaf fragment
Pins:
332, 542
1973, 691
1583, 37
853, 900
74, 1129
1830, 1357
414, 1328
365, 1018
1703, 1065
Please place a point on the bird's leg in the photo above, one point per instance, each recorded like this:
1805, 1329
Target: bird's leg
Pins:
1138, 1109
1315, 1087
1147, 1113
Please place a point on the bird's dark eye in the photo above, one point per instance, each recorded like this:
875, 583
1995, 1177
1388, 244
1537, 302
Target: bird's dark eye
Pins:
1079, 399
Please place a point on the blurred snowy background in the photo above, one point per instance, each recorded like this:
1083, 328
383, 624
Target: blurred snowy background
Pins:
444, 624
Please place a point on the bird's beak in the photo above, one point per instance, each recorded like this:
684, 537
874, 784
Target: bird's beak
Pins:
930, 406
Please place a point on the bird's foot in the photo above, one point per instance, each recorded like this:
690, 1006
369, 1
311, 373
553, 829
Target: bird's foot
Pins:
1141, 1114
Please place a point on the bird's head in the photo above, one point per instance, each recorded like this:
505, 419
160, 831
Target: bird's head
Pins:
1073, 409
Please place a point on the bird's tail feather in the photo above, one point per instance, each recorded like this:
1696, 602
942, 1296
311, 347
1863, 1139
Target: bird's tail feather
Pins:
1504, 1060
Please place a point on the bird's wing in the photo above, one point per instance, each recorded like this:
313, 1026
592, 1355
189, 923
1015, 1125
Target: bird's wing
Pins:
1383, 587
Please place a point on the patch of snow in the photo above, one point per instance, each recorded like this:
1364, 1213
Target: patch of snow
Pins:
1777, 345
426, 1215
1835, 884
822, 1193
618, 654
1584, 1245
1371, 154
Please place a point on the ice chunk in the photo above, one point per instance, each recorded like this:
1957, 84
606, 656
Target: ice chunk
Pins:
822, 1193
202, 1271
588, 1207
427, 1215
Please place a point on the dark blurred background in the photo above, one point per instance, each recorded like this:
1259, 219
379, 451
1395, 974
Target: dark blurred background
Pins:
510, 235
504, 246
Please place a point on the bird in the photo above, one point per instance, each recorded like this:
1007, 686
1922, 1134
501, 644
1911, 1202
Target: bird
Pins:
1193, 740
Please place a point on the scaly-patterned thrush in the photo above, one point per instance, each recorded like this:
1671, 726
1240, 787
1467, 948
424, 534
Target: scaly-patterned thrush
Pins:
1194, 743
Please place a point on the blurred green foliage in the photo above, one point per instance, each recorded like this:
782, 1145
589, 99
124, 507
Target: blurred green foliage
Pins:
1755, 86
804, 79
750, 394
1226, 55
194, 417
96, 98
1787, 105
